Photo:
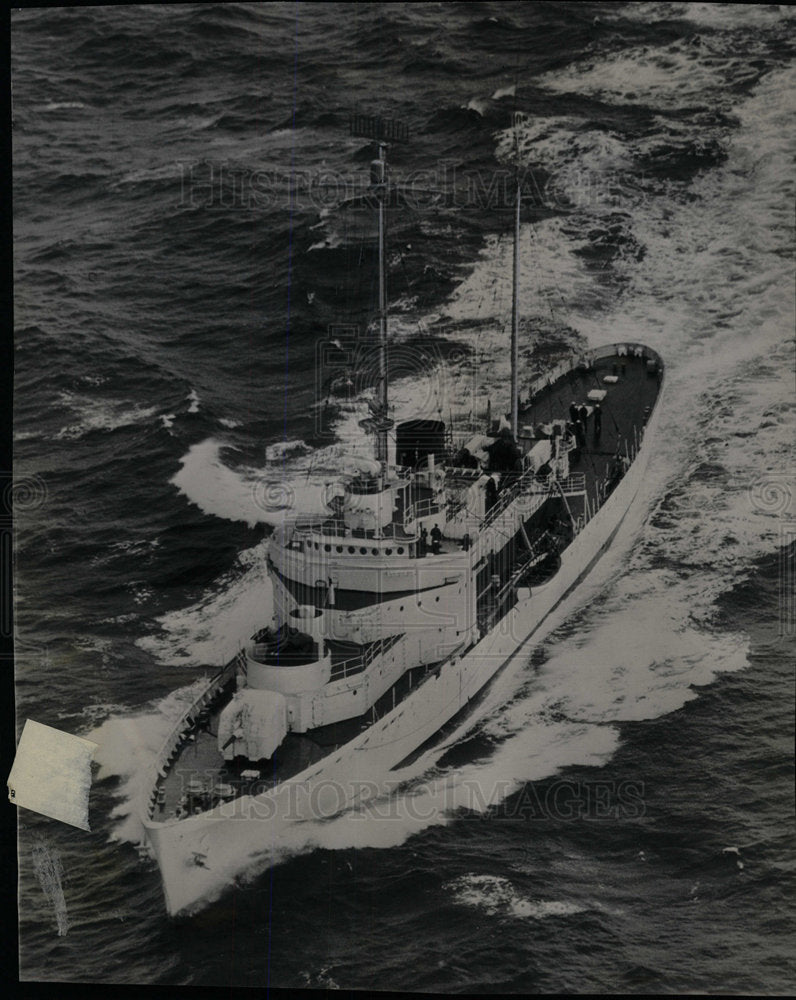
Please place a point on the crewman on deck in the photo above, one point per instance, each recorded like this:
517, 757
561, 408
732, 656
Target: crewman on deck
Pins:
598, 421
422, 545
436, 540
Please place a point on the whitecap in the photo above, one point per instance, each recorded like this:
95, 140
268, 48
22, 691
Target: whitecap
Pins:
496, 896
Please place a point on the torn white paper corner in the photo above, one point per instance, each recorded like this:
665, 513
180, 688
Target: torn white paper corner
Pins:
52, 774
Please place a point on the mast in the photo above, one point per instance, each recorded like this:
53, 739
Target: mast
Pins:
383, 131
515, 360
382, 395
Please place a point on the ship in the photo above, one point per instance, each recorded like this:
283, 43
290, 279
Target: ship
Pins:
438, 563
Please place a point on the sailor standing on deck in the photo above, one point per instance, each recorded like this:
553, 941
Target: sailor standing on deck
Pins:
580, 432
422, 545
436, 540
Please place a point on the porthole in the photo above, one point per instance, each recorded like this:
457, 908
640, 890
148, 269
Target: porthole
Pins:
363, 551
374, 552
437, 599
400, 550
388, 552
401, 608
339, 548
351, 549
327, 548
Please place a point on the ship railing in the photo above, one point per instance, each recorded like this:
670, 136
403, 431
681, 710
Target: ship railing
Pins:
358, 664
574, 484
463, 472
419, 509
529, 483
511, 493
187, 719
587, 359
304, 531
259, 651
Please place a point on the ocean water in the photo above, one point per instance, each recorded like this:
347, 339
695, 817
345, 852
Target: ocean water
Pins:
185, 232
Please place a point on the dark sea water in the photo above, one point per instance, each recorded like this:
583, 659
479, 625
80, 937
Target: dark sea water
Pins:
622, 817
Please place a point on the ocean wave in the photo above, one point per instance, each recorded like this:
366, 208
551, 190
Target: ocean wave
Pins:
100, 415
210, 631
684, 74
169, 172
128, 746
251, 495
282, 450
721, 16
62, 106
495, 896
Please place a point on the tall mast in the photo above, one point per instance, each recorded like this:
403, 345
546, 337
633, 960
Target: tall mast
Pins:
381, 191
383, 131
515, 357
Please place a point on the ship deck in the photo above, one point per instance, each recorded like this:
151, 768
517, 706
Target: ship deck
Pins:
625, 407
200, 765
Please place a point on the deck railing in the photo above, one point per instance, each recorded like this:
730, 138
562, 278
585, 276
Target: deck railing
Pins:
172, 742
419, 509
357, 664
573, 484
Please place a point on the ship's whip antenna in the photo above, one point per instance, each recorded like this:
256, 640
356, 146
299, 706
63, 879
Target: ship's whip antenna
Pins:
383, 131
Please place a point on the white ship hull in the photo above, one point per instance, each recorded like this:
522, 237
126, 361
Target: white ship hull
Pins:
200, 856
